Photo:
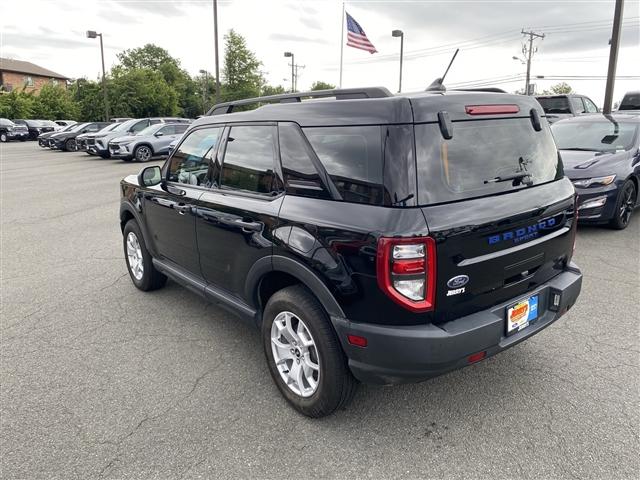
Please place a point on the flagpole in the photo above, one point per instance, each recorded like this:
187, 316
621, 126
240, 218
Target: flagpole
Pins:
341, 45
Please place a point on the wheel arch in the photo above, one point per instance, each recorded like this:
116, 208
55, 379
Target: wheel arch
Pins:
270, 274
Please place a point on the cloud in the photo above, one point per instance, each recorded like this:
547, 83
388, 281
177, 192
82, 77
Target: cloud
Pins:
172, 8
285, 37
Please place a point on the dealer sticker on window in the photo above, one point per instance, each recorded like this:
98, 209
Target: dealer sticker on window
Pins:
522, 314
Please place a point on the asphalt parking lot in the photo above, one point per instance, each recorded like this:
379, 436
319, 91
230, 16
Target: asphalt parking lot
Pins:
100, 380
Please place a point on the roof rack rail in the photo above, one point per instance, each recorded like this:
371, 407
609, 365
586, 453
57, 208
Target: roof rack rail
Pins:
339, 94
483, 89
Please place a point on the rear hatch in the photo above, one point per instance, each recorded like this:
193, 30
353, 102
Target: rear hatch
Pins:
497, 238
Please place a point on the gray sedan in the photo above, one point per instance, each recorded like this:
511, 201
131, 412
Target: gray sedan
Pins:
151, 142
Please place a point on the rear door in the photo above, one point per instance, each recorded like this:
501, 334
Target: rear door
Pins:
496, 239
237, 215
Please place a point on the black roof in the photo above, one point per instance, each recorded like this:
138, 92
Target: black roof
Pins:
394, 109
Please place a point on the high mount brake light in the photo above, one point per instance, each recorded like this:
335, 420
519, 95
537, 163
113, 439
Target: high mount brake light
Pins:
406, 271
491, 109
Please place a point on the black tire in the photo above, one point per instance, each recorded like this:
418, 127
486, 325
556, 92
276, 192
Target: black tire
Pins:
625, 204
336, 385
143, 153
70, 145
3, 137
151, 279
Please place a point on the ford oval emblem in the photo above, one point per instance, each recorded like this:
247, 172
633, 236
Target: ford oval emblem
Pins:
457, 282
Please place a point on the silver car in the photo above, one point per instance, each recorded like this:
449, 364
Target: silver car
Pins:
151, 142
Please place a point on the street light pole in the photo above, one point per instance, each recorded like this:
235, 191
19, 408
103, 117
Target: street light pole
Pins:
215, 33
293, 84
399, 33
205, 88
93, 34
613, 56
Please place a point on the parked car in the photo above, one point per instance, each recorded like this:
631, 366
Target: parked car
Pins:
630, 103
558, 107
120, 119
36, 127
100, 145
43, 138
83, 140
66, 141
151, 142
12, 131
386, 239
601, 156
63, 123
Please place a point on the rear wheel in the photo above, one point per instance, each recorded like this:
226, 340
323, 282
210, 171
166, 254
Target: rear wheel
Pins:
625, 204
3, 137
142, 153
304, 355
139, 264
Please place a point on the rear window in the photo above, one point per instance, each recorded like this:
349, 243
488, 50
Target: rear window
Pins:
467, 165
352, 156
631, 101
555, 105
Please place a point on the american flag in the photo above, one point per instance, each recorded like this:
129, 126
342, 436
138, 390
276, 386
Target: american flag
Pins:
356, 37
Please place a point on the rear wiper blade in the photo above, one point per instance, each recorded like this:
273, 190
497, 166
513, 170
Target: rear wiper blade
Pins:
516, 177
580, 149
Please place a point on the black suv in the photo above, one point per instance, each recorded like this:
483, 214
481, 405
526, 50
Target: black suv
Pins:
374, 237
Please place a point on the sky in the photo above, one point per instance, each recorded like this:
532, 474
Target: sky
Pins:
51, 33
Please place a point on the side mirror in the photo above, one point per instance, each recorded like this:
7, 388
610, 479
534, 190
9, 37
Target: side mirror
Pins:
150, 176
159, 134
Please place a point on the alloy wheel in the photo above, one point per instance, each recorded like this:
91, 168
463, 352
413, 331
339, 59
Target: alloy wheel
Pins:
143, 154
134, 255
3, 137
627, 205
295, 354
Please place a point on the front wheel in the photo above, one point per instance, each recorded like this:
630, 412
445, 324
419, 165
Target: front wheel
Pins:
304, 355
70, 145
142, 153
139, 263
625, 204
3, 137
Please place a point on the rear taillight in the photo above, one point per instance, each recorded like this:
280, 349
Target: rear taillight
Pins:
406, 269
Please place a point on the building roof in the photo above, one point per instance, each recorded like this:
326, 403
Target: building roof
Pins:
29, 68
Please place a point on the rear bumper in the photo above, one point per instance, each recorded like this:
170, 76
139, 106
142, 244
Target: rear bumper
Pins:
397, 354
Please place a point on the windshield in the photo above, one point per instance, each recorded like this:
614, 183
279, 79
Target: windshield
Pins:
481, 154
604, 136
109, 128
555, 104
68, 128
150, 130
78, 126
6, 122
124, 126
631, 101
47, 123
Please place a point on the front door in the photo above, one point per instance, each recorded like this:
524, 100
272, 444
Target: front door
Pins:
236, 218
170, 208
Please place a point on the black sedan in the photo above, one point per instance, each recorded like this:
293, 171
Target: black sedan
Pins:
601, 156
36, 127
66, 141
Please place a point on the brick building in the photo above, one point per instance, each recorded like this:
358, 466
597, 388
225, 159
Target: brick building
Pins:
15, 74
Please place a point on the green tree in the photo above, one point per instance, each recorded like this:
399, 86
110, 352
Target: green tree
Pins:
88, 96
242, 77
562, 88
271, 90
320, 85
54, 102
16, 104
142, 93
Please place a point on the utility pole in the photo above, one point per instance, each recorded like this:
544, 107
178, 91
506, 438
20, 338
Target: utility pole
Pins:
613, 56
296, 67
215, 33
528, 52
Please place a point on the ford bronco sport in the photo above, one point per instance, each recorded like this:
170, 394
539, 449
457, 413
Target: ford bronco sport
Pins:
371, 237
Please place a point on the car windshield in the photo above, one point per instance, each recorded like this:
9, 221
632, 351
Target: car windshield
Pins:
602, 136
6, 122
78, 126
109, 128
555, 104
631, 101
124, 126
68, 128
150, 130
484, 157
48, 123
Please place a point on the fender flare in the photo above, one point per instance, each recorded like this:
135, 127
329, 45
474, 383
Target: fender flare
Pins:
278, 263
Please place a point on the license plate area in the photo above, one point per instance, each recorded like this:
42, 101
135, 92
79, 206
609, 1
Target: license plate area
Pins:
522, 314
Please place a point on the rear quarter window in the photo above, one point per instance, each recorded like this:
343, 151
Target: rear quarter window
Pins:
555, 105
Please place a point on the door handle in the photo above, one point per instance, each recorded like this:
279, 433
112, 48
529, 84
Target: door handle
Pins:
248, 226
182, 209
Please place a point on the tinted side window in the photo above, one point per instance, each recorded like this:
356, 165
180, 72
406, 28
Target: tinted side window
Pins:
180, 128
190, 162
249, 159
168, 130
140, 126
577, 104
352, 157
300, 175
